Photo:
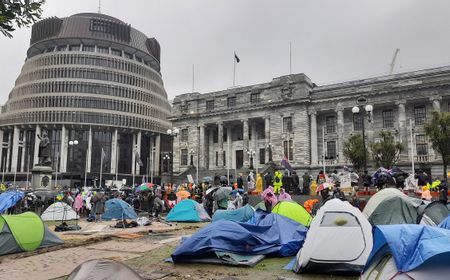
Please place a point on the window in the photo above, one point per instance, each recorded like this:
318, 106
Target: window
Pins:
74, 48
116, 52
210, 105
217, 158
420, 115
231, 102
331, 150
334, 219
288, 149
224, 158
102, 49
262, 156
357, 121
184, 135
87, 48
421, 145
287, 124
388, 118
128, 55
254, 98
331, 124
61, 48
184, 157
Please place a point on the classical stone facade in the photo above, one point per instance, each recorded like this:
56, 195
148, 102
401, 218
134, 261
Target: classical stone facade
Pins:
94, 83
293, 117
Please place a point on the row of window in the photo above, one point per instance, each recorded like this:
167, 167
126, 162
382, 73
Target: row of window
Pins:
231, 102
79, 87
86, 102
109, 62
388, 119
83, 118
87, 73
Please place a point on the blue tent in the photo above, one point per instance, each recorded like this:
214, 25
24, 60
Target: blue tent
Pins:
118, 209
242, 214
188, 210
9, 199
445, 223
272, 234
417, 246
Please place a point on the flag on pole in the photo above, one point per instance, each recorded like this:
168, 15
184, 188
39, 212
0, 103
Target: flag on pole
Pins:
103, 154
286, 164
236, 58
138, 158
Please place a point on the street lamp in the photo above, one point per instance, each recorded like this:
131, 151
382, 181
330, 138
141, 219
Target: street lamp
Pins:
251, 153
270, 148
166, 158
368, 109
72, 143
172, 133
191, 154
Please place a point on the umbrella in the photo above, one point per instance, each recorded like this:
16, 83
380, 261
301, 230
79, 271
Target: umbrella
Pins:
222, 193
183, 194
212, 189
324, 186
235, 191
207, 179
142, 188
150, 185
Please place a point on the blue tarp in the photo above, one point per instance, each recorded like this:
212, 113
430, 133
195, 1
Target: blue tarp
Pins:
188, 210
9, 199
118, 209
445, 223
272, 234
242, 214
412, 245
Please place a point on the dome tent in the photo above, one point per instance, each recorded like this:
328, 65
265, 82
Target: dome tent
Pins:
292, 210
59, 211
242, 214
119, 210
103, 269
188, 210
25, 232
379, 197
433, 213
396, 210
338, 241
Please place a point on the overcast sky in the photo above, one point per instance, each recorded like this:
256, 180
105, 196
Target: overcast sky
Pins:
332, 41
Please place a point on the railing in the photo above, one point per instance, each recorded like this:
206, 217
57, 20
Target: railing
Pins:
423, 158
328, 162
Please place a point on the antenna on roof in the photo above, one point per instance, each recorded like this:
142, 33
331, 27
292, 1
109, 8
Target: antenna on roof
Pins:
99, 6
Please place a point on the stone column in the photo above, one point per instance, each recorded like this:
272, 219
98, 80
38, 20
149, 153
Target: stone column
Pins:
220, 142
313, 125
201, 141
436, 101
267, 136
8, 155
157, 154
133, 155
89, 151
340, 131
229, 151
22, 161
254, 145
15, 149
63, 151
1, 151
402, 127
245, 142
138, 148
210, 161
36, 145
114, 152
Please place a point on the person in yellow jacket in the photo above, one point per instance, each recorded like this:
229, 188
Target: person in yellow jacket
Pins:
277, 182
259, 183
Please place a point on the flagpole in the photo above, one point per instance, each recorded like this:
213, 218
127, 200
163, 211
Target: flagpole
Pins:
56, 172
193, 77
290, 58
117, 160
234, 69
323, 149
151, 167
101, 167
85, 169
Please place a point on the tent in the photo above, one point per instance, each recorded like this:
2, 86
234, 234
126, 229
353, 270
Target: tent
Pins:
118, 209
445, 223
242, 214
396, 210
379, 197
103, 269
338, 241
24, 232
59, 211
422, 252
188, 210
9, 199
433, 213
270, 234
293, 210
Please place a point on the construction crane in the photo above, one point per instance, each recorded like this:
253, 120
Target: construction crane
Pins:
393, 61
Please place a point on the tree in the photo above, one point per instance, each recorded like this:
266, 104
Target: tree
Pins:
438, 131
18, 13
386, 152
354, 151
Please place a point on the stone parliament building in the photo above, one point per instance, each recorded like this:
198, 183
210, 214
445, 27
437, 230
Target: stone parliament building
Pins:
240, 128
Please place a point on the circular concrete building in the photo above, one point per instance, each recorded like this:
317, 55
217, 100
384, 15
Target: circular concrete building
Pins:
94, 84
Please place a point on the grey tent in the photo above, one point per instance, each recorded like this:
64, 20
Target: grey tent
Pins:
433, 213
396, 210
24, 232
103, 269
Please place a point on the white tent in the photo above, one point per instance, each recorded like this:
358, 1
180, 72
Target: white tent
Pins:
379, 197
59, 211
339, 241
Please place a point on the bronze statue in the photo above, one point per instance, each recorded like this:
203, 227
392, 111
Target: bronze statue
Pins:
44, 149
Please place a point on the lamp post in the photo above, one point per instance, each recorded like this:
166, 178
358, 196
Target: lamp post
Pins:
251, 153
191, 154
270, 148
368, 109
172, 133
72, 143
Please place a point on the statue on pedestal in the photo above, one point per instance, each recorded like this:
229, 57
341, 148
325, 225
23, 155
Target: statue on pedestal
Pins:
44, 149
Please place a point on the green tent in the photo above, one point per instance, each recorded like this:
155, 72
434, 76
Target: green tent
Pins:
294, 211
396, 210
24, 232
